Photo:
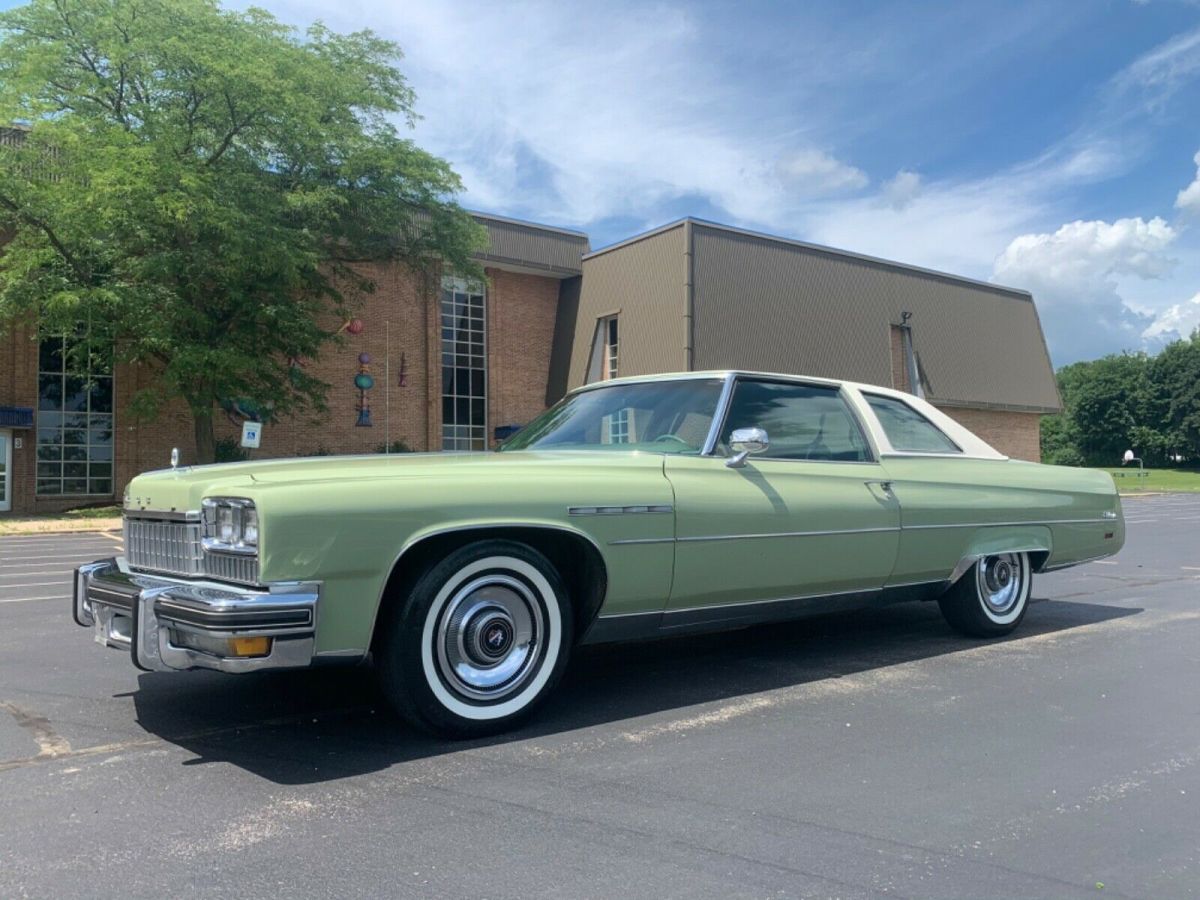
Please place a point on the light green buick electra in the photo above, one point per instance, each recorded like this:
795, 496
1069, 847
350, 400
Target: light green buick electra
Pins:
634, 508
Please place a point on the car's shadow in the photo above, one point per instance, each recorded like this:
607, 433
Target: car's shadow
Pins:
321, 724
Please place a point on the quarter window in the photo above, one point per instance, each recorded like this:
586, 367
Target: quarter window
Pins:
907, 430
464, 365
802, 421
74, 419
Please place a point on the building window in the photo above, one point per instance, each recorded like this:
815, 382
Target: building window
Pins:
74, 419
604, 362
606, 365
464, 365
610, 348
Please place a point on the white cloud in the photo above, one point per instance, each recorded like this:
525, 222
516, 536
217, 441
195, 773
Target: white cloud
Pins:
814, 172
901, 190
1189, 198
1076, 276
1177, 321
613, 117
1166, 66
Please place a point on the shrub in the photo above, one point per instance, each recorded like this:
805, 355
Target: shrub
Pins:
230, 450
1064, 456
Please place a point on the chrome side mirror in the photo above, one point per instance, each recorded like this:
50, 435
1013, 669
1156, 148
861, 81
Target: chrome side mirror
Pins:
745, 441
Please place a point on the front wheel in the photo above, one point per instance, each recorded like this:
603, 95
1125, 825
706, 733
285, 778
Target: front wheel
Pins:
482, 638
991, 598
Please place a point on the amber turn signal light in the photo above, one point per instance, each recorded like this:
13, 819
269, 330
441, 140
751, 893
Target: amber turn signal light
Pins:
249, 646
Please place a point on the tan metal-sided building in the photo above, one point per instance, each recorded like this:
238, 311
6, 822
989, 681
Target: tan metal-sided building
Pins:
695, 295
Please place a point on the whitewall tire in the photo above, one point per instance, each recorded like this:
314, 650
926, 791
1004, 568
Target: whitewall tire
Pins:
482, 637
991, 598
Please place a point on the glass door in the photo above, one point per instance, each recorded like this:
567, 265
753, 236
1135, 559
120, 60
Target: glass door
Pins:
5, 471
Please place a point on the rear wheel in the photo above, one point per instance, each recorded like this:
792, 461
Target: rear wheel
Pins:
991, 598
479, 641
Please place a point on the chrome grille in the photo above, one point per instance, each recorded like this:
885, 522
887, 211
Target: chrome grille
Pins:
164, 546
173, 547
227, 567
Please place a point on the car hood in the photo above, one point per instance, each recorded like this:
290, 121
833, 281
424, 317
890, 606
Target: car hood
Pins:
180, 490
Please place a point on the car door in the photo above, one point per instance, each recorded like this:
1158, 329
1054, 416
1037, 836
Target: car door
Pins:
810, 516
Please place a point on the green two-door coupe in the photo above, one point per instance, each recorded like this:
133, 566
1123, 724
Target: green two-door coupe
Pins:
634, 508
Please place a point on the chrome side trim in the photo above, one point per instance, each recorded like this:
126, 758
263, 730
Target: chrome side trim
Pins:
755, 603
884, 529
1005, 524
619, 510
703, 538
787, 534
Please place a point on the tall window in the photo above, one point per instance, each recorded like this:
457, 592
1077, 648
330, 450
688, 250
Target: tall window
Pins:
74, 420
610, 347
604, 361
464, 365
605, 351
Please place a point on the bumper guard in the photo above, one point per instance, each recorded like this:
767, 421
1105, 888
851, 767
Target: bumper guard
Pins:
168, 624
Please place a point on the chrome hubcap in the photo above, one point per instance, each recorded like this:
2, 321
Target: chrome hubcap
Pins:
999, 580
490, 636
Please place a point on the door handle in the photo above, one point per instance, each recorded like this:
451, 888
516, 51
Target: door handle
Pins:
884, 486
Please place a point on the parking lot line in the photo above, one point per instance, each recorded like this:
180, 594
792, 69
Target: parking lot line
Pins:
27, 569
36, 584
28, 599
59, 557
68, 537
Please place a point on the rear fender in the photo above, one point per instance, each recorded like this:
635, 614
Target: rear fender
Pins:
1032, 539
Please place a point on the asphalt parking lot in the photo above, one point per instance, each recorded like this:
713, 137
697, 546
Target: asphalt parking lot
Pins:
863, 755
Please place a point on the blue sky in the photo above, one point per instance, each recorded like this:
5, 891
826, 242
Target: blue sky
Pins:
1047, 145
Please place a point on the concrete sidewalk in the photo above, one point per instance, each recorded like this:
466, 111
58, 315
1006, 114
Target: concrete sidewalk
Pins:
57, 525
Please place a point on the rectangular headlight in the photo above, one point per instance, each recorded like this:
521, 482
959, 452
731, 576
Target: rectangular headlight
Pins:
230, 525
250, 526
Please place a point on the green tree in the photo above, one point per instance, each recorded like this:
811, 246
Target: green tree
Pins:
195, 184
1110, 403
1060, 441
1176, 374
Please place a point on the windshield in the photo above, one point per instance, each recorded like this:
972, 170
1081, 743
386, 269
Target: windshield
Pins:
661, 416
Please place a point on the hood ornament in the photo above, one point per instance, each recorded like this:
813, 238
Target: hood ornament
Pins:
174, 457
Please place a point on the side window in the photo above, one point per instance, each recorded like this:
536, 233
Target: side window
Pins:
802, 421
908, 430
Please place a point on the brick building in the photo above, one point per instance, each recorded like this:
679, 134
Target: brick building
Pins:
453, 363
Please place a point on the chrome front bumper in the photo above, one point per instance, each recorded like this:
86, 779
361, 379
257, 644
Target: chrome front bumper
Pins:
170, 624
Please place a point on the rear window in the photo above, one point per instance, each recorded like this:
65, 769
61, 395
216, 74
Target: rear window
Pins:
907, 430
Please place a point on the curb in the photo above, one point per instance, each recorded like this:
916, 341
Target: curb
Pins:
89, 527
